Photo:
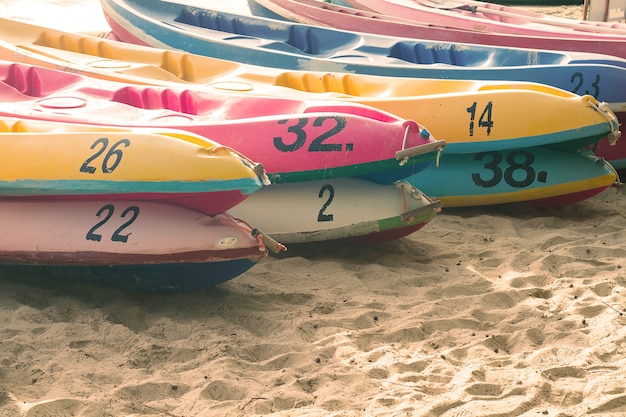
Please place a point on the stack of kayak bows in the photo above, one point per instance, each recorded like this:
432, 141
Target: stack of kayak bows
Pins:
337, 157
505, 142
139, 208
486, 17
281, 44
609, 41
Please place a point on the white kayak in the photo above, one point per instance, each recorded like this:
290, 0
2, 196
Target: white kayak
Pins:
341, 208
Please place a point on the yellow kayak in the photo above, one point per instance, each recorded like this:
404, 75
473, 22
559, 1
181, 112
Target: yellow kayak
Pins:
59, 161
540, 168
470, 115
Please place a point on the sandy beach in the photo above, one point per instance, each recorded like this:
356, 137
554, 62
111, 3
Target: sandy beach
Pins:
488, 311
501, 311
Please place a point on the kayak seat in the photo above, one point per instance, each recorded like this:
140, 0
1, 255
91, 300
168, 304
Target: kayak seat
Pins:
310, 40
426, 53
203, 104
423, 52
200, 18
337, 83
36, 81
14, 126
185, 101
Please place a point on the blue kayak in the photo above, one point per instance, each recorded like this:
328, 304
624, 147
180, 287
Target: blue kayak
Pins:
282, 44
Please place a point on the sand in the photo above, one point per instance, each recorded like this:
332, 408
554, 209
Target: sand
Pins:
491, 311
501, 311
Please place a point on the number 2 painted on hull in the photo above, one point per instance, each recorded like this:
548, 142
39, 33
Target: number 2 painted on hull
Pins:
317, 144
117, 235
322, 216
517, 161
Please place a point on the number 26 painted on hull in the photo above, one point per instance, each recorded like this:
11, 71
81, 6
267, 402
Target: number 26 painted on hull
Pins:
67, 161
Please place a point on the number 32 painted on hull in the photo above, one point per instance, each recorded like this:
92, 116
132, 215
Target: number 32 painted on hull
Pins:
317, 144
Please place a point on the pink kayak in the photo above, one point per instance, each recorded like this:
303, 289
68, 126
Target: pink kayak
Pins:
295, 140
489, 17
314, 12
135, 244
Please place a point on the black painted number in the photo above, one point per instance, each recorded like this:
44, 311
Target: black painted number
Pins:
579, 81
132, 212
322, 216
518, 173
493, 165
318, 143
111, 159
485, 120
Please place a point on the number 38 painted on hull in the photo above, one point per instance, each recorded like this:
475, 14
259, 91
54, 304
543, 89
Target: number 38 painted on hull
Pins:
542, 174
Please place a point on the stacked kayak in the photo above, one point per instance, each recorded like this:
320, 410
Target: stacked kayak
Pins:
79, 162
479, 140
486, 17
346, 153
136, 244
273, 43
312, 148
349, 209
488, 116
348, 18
143, 208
